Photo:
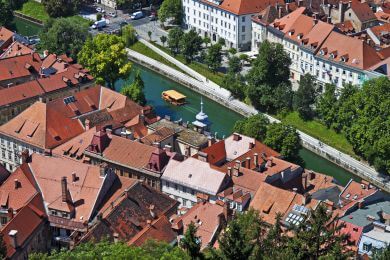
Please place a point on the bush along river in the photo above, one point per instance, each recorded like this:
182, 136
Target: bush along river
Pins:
222, 118
25, 28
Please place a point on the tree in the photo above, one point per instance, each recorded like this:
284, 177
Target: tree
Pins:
235, 83
222, 41
206, 40
268, 79
15, 4
190, 242
214, 57
129, 35
327, 105
63, 35
163, 39
253, 126
150, 35
345, 108
134, 91
383, 254
232, 51
305, 97
321, 239
244, 58
60, 8
107, 250
369, 128
234, 65
190, 45
284, 139
6, 15
174, 37
171, 9
99, 16
106, 58
3, 248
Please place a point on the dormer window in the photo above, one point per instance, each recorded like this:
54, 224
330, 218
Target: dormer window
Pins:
344, 58
291, 32
300, 36
333, 55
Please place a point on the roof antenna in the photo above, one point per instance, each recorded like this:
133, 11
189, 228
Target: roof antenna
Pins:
201, 104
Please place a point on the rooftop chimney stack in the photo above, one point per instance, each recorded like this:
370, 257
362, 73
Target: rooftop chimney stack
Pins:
25, 156
329, 20
17, 184
203, 156
152, 212
13, 234
64, 188
236, 137
74, 177
279, 12
87, 124
256, 159
229, 171
10, 214
300, 3
103, 169
248, 162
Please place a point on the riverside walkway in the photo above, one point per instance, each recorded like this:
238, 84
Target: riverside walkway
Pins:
202, 85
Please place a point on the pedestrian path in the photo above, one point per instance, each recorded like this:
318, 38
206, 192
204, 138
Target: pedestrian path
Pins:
224, 97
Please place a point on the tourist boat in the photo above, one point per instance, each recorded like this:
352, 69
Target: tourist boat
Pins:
173, 97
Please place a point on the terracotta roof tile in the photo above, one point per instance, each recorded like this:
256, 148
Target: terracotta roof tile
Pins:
5, 37
15, 67
242, 7
158, 136
30, 89
362, 11
16, 49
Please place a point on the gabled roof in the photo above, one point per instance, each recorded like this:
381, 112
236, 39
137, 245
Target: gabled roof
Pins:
5, 36
158, 136
30, 89
362, 11
26, 221
242, 7
16, 49
42, 125
16, 67
286, 22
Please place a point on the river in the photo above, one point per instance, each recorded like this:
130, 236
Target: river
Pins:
222, 118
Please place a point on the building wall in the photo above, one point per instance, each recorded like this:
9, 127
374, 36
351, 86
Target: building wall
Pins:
108, 3
216, 23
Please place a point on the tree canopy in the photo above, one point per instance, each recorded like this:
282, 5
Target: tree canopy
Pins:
129, 35
174, 36
6, 14
106, 58
305, 97
214, 57
326, 105
190, 45
253, 126
63, 35
106, 250
60, 8
269, 88
191, 243
171, 9
134, 91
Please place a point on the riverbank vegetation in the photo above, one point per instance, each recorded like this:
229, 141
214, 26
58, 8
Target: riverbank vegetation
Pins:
6, 14
35, 10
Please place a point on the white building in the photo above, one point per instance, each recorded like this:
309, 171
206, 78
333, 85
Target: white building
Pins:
227, 19
185, 180
316, 48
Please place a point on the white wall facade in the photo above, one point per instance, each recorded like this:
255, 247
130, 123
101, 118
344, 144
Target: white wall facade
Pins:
216, 23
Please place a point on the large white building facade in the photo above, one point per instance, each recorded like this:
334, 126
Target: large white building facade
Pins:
227, 19
316, 48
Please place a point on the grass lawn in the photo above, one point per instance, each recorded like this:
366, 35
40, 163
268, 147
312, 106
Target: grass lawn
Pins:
35, 10
143, 49
198, 67
319, 131
80, 20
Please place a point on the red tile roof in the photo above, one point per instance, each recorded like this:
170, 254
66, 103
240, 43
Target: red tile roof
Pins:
362, 11
16, 67
158, 136
5, 37
30, 89
26, 221
16, 49
242, 7
353, 232
355, 192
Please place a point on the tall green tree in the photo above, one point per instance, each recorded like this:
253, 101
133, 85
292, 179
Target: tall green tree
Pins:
254, 126
206, 40
163, 39
326, 107
6, 15
191, 242
135, 91
106, 58
235, 83
284, 139
129, 35
268, 79
305, 97
171, 9
214, 57
3, 247
174, 37
60, 8
345, 108
234, 65
190, 45
15, 4
63, 35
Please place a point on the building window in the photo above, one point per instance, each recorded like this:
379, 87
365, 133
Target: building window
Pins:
243, 19
367, 246
3, 220
243, 28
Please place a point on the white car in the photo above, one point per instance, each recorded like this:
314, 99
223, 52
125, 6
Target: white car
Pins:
112, 14
99, 9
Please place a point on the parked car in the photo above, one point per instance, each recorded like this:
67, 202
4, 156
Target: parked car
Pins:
153, 18
99, 9
137, 15
112, 14
99, 24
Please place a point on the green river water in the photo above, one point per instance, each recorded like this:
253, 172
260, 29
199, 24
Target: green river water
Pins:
222, 118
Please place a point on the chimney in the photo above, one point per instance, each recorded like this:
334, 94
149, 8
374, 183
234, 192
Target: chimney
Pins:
187, 152
116, 237
256, 159
315, 21
156, 144
26, 156
229, 171
361, 205
10, 214
87, 124
279, 12
312, 175
330, 10
149, 222
236, 170
329, 20
45, 53
203, 156
47, 152
341, 11
305, 181
251, 145
74, 177
248, 162
64, 188
287, 9
211, 141
13, 234
349, 4
236, 137
17, 184
152, 212
103, 169
300, 3
168, 148
305, 199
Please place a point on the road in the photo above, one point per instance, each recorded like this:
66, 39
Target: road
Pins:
222, 95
